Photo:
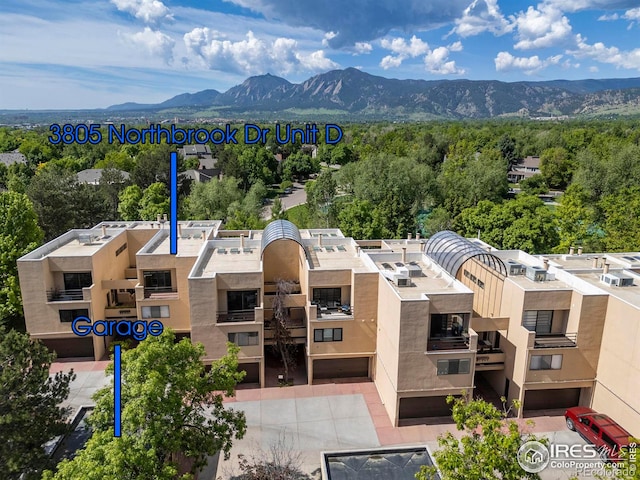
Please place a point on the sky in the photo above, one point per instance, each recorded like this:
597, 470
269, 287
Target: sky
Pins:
73, 54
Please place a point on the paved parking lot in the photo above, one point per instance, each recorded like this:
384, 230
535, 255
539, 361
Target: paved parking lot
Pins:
313, 418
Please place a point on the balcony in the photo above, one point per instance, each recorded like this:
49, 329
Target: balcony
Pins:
555, 340
448, 343
160, 293
71, 295
236, 316
490, 360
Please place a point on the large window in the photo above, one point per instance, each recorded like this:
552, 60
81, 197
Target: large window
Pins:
158, 280
327, 297
546, 362
453, 367
244, 339
327, 335
71, 315
242, 300
538, 321
77, 280
159, 311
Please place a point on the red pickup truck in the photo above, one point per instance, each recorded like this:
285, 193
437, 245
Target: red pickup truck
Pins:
599, 429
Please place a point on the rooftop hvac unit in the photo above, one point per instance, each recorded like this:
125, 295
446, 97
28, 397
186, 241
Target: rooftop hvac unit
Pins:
403, 281
536, 274
414, 270
516, 268
616, 280
84, 238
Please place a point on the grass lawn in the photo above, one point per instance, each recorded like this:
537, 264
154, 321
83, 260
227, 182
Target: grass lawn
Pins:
299, 216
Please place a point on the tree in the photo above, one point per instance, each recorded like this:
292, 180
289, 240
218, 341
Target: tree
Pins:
576, 221
556, 167
277, 210
212, 199
154, 201
534, 185
129, 206
507, 147
19, 234
172, 416
488, 449
359, 220
525, 223
30, 414
284, 344
621, 223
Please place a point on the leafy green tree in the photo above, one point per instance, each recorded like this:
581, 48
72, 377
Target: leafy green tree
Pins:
488, 448
534, 185
320, 194
576, 221
341, 154
172, 416
359, 220
556, 167
621, 221
129, 203
154, 201
524, 223
19, 234
277, 210
152, 165
112, 182
211, 200
299, 165
507, 147
30, 412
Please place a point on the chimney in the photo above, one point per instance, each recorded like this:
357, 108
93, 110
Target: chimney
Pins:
179, 229
545, 263
204, 235
571, 250
319, 239
579, 250
605, 270
164, 217
104, 230
159, 218
595, 262
408, 236
418, 236
241, 240
404, 254
357, 250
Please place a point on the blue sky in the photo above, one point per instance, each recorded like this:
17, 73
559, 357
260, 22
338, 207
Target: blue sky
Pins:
64, 54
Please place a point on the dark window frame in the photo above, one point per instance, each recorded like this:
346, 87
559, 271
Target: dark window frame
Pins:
246, 300
319, 335
71, 314
77, 280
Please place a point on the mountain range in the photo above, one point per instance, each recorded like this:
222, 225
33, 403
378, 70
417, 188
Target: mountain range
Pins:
355, 94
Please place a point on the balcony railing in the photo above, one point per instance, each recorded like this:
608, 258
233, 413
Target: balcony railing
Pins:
555, 340
160, 293
72, 295
448, 343
236, 316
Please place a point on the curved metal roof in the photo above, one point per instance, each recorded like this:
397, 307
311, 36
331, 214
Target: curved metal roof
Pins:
281, 230
450, 251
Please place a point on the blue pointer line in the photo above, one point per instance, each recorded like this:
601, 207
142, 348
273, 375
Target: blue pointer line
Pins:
173, 226
117, 384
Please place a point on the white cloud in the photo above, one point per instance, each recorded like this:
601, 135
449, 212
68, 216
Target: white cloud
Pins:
363, 48
403, 50
505, 61
253, 55
436, 62
541, 27
327, 37
154, 42
147, 10
455, 47
594, 69
481, 16
608, 17
629, 59
390, 62
633, 14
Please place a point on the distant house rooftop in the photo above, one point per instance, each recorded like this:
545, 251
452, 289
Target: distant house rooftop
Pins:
195, 150
92, 176
10, 158
524, 168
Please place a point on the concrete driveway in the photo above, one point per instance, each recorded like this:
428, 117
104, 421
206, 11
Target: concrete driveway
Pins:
297, 197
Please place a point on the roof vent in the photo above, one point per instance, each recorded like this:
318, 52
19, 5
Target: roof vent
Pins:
515, 268
537, 274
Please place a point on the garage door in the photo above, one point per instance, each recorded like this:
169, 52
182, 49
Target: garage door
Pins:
551, 399
70, 347
253, 372
341, 368
420, 407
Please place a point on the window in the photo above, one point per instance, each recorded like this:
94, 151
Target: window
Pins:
481, 284
595, 429
328, 297
121, 249
160, 311
241, 300
158, 280
77, 281
546, 362
243, 339
327, 335
448, 324
453, 367
538, 321
71, 315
